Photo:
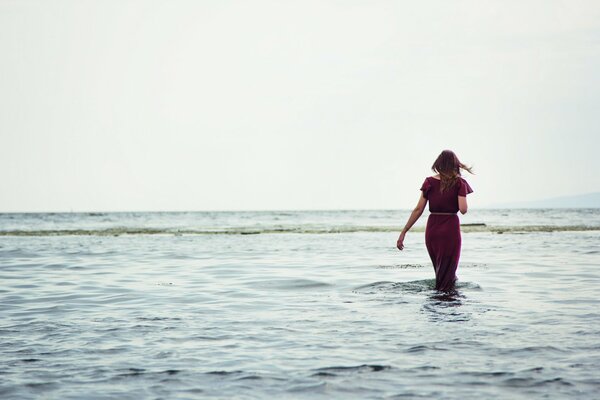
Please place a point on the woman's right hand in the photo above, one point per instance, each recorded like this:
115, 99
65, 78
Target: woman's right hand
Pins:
400, 242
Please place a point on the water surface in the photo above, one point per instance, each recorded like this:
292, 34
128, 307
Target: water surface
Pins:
303, 309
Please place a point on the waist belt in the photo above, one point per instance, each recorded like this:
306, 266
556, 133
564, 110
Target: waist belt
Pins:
440, 213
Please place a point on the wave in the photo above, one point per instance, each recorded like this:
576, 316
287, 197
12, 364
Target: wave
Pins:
467, 228
337, 370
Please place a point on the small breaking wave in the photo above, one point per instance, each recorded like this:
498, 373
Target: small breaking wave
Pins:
466, 228
418, 286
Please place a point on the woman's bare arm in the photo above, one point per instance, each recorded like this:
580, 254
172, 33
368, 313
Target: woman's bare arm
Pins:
414, 216
462, 204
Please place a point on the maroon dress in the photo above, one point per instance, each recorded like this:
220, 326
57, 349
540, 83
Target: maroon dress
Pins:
442, 234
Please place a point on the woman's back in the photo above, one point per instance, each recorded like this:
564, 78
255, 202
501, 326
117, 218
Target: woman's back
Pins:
447, 201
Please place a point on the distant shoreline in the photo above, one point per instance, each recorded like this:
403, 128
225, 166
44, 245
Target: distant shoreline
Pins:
587, 200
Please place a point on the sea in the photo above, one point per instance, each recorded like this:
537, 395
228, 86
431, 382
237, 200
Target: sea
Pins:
297, 305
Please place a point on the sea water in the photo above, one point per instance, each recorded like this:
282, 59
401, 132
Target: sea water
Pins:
303, 304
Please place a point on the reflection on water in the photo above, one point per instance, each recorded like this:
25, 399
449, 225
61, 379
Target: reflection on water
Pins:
443, 306
448, 298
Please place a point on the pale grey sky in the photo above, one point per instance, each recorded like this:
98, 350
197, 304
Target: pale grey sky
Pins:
221, 105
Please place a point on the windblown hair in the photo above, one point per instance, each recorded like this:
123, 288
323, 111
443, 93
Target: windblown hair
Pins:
448, 166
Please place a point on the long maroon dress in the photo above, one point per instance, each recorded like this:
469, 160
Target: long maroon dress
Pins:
442, 234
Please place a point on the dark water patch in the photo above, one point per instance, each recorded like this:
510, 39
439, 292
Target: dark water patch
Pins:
42, 327
417, 349
14, 298
158, 318
559, 381
65, 283
194, 390
250, 377
465, 343
492, 374
336, 370
206, 337
171, 371
41, 386
26, 286
59, 353
324, 374
225, 373
533, 382
530, 350
425, 368
134, 372
534, 369
587, 332
412, 395
111, 350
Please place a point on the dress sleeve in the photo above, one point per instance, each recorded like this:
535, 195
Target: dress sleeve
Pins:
425, 187
464, 188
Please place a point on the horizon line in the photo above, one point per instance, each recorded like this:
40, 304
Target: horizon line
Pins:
284, 210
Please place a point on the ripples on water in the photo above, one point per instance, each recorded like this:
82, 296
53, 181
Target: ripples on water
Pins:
298, 316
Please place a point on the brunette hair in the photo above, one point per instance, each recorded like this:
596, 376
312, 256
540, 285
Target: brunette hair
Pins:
448, 166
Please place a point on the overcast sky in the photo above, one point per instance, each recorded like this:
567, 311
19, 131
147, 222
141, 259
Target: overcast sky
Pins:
233, 105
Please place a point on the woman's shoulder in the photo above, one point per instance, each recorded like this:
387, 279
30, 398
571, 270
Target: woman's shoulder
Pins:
463, 187
462, 180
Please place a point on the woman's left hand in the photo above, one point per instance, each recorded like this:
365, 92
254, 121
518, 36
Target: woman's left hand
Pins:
400, 242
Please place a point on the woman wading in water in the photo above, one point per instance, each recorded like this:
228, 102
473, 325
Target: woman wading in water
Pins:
447, 194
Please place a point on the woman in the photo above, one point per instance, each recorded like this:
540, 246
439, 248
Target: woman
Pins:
446, 193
